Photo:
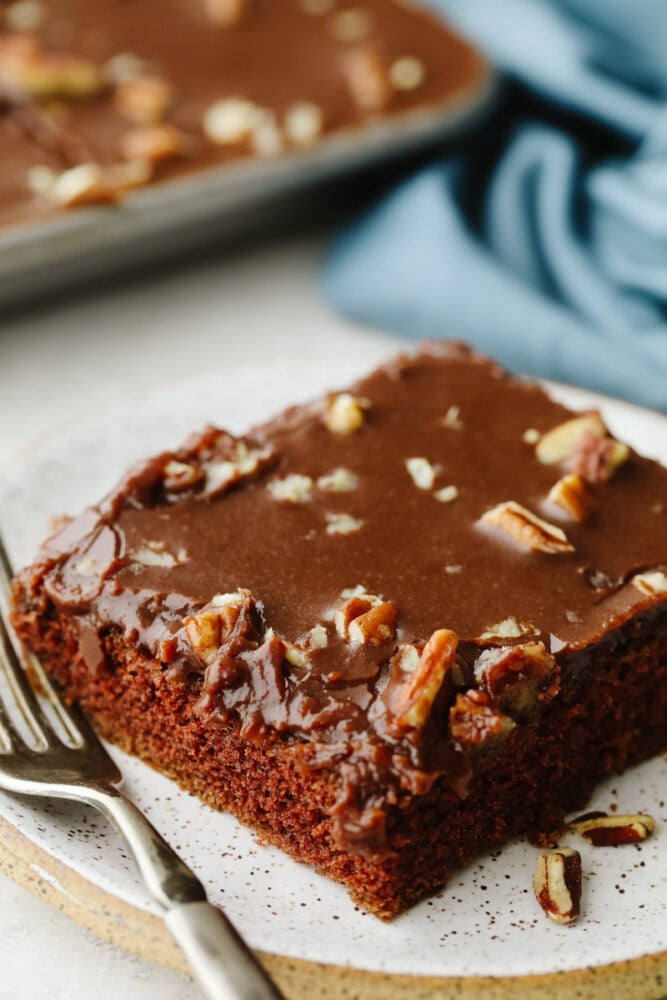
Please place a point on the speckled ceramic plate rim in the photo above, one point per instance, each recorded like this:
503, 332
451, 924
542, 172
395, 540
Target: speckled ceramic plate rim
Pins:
641, 422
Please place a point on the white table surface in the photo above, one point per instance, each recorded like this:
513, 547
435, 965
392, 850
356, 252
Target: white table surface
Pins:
62, 361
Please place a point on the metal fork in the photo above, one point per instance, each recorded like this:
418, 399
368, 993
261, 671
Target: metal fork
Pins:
83, 771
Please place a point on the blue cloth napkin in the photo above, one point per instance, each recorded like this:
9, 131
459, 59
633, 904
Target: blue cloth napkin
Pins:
564, 273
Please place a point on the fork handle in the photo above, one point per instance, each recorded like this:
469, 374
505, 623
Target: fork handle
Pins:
222, 964
220, 961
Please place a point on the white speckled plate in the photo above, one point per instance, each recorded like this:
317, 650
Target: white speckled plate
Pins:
487, 922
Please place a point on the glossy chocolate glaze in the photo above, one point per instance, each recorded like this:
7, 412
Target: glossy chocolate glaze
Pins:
277, 55
435, 561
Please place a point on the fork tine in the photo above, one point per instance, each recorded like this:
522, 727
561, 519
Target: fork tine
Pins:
21, 691
8, 735
6, 573
74, 723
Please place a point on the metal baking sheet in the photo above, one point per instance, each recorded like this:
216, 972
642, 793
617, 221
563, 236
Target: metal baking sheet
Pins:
162, 220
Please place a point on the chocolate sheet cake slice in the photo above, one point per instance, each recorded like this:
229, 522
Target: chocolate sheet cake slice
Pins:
387, 630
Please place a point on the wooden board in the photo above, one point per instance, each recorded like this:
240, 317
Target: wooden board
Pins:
144, 934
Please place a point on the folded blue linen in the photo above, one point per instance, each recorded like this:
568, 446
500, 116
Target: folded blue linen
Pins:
565, 276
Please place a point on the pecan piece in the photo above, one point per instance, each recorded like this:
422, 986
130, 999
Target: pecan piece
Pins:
342, 524
180, 476
572, 495
595, 458
559, 444
143, 100
557, 884
517, 677
28, 66
609, 831
303, 123
230, 461
344, 414
25, 16
375, 626
653, 583
232, 120
524, 527
431, 673
339, 481
407, 73
351, 25
508, 628
293, 488
474, 720
366, 619
346, 613
215, 624
226, 13
152, 143
422, 472
367, 77
81, 185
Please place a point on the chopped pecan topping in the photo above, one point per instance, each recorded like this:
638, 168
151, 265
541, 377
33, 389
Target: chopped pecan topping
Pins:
82, 185
342, 524
267, 138
366, 619
355, 606
351, 25
446, 494
653, 583
230, 461
421, 472
226, 13
294, 488
153, 143
303, 123
557, 883
180, 476
559, 444
609, 831
517, 677
367, 77
338, 481
28, 66
215, 625
232, 120
375, 626
407, 73
452, 419
585, 445
524, 527
25, 15
345, 414
156, 554
318, 637
143, 100
408, 658
474, 720
595, 459
426, 679
508, 628
88, 183
572, 494
295, 655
